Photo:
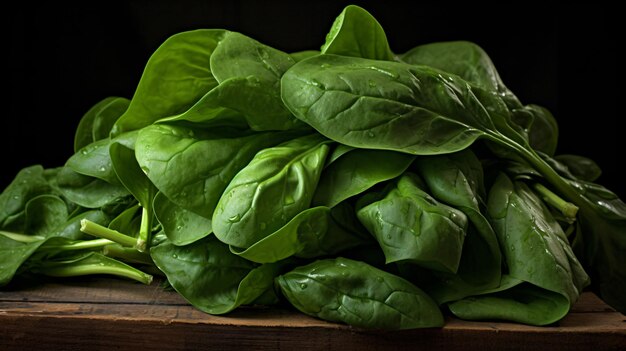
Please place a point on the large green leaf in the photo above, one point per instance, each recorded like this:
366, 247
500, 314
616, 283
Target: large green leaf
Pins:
177, 75
210, 277
210, 160
357, 33
343, 290
411, 226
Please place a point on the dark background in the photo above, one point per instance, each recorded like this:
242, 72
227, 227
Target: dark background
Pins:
65, 57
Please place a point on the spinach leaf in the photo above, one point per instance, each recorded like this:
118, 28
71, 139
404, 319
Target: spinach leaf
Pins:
96, 124
462, 58
410, 225
211, 278
181, 226
524, 303
543, 133
357, 33
580, 167
275, 186
87, 191
211, 159
28, 183
94, 161
241, 102
256, 94
130, 174
311, 233
394, 106
343, 290
356, 171
161, 91
457, 180
535, 251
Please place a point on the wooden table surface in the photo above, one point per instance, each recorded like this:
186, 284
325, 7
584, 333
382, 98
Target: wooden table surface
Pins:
110, 314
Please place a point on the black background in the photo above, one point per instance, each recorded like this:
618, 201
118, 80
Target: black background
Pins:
65, 57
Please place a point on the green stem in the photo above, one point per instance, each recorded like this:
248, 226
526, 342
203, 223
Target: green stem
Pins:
81, 245
95, 229
73, 271
144, 230
548, 172
568, 209
127, 254
23, 238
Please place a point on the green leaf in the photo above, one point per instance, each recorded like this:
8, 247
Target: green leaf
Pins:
87, 191
357, 33
96, 124
28, 183
393, 106
240, 56
312, 233
580, 167
343, 290
249, 75
210, 277
536, 251
457, 180
273, 188
181, 227
130, 174
543, 133
355, 172
44, 213
177, 75
410, 225
462, 58
94, 161
211, 159
522, 304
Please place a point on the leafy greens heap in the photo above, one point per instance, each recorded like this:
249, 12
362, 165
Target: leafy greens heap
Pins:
359, 185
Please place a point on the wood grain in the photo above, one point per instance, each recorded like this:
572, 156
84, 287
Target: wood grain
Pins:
106, 314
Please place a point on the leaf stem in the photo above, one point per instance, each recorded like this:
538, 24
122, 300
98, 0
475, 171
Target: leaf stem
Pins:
127, 254
144, 230
95, 229
568, 209
23, 238
81, 245
95, 268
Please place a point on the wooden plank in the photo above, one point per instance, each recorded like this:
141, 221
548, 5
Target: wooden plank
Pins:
107, 313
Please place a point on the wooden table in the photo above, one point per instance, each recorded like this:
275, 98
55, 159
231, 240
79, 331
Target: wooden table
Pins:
110, 314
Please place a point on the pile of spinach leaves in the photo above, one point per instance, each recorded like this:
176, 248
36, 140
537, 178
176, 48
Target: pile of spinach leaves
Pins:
358, 185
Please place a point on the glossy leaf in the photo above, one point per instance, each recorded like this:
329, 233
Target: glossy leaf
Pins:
457, 180
210, 277
87, 191
28, 183
97, 122
543, 133
580, 167
357, 33
161, 91
211, 158
410, 225
411, 109
272, 189
312, 233
343, 290
181, 226
94, 161
355, 172
536, 251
